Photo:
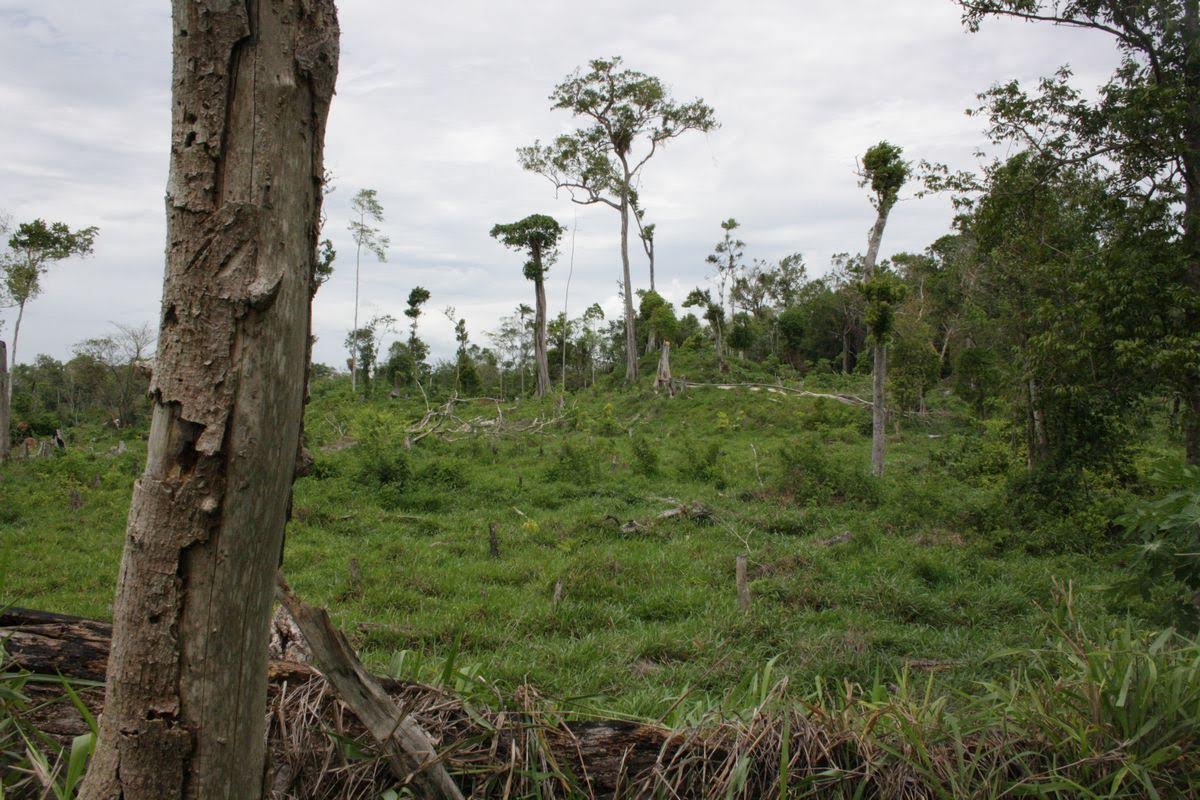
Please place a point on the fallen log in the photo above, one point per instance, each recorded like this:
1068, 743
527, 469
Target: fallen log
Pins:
308, 727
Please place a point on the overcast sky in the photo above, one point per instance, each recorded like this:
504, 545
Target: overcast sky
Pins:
434, 98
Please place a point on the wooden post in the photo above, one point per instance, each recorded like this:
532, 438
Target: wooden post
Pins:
493, 541
743, 588
663, 379
5, 443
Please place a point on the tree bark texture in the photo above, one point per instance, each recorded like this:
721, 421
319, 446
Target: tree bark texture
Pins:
186, 681
879, 369
16, 335
5, 406
631, 353
663, 379
539, 337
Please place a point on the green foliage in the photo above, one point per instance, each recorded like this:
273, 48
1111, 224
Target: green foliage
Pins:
885, 171
382, 459
31, 762
645, 455
1164, 564
366, 206
883, 291
537, 234
701, 462
978, 377
810, 477
573, 464
32, 248
913, 364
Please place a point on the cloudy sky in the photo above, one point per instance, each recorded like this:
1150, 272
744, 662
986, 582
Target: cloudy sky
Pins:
432, 101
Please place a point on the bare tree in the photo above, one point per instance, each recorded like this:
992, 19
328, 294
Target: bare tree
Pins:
185, 700
538, 235
367, 207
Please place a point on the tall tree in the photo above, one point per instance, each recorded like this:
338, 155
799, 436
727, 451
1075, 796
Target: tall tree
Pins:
885, 172
417, 349
33, 247
366, 235
538, 236
5, 404
714, 313
727, 259
1142, 130
185, 700
629, 118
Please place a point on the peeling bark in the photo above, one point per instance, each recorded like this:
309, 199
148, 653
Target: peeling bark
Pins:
186, 680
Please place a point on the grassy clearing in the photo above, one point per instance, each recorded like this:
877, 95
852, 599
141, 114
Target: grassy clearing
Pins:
932, 568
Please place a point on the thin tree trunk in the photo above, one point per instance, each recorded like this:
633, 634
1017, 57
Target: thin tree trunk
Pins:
354, 329
539, 336
631, 354
186, 690
5, 422
13, 362
878, 411
879, 369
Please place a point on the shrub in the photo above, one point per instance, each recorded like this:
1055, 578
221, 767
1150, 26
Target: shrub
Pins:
1166, 561
811, 477
701, 462
380, 450
449, 473
572, 465
645, 456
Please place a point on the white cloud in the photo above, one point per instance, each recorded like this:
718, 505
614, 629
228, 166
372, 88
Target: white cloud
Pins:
433, 99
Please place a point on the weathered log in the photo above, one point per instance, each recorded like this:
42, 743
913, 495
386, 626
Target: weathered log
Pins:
409, 750
605, 756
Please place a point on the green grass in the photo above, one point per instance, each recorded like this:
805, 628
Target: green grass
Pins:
852, 578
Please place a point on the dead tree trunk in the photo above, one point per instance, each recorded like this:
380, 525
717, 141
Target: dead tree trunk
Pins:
539, 337
663, 379
5, 419
186, 683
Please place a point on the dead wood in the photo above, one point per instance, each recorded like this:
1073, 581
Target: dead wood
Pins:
409, 750
488, 750
845, 399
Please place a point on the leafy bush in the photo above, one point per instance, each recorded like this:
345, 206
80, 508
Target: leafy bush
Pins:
701, 462
572, 465
1165, 563
645, 456
449, 473
381, 456
811, 477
